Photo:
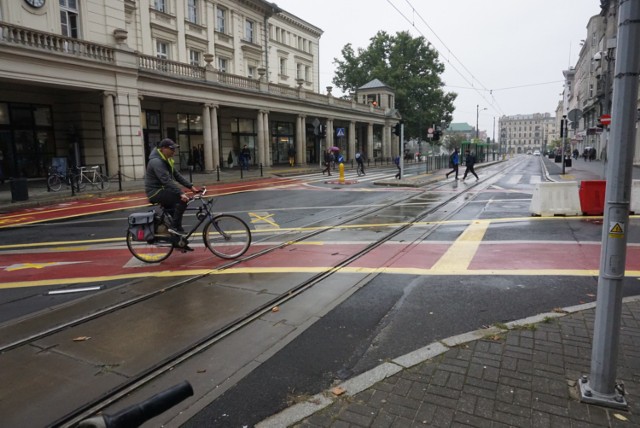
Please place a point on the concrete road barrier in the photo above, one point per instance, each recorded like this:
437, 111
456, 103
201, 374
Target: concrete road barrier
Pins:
551, 199
635, 197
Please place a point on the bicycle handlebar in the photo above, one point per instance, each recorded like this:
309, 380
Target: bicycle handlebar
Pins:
136, 414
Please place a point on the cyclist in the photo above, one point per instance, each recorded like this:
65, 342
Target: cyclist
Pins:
360, 161
161, 185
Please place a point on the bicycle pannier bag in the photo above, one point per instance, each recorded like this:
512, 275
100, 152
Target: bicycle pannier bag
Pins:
141, 226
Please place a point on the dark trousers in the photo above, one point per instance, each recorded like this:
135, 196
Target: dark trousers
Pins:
468, 170
327, 168
455, 169
172, 204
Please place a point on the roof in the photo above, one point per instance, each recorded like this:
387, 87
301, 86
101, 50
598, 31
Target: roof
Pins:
374, 84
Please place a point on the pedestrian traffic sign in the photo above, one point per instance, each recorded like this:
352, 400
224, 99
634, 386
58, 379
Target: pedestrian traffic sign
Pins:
340, 132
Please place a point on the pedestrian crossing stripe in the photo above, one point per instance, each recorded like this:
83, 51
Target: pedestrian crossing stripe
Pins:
616, 230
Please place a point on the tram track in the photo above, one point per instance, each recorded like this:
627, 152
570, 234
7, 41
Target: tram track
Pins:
200, 344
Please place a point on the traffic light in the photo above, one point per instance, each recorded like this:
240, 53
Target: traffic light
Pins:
436, 134
396, 130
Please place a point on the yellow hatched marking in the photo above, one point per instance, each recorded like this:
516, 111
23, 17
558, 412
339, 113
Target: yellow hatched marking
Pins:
263, 217
462, 251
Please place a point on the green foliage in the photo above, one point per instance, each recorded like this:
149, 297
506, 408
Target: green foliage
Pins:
408, 65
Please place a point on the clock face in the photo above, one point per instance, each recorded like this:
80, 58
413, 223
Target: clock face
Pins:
35, 3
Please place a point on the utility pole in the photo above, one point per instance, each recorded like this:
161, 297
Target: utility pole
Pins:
600, 386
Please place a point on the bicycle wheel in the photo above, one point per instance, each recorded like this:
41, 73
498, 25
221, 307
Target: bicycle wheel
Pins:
101, 182
54, 182
227, 236
81, 182
155, 252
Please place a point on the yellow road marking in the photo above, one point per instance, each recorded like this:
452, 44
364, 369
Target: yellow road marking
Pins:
22, 266
312, 270
260, 217
461, 252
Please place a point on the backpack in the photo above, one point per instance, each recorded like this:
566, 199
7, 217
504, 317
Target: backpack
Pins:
141, 226
397, 160
358, 155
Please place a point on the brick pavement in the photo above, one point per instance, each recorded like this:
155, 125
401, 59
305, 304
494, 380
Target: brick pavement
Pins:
523, 374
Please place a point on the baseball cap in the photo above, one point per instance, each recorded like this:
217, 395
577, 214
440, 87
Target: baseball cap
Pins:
168, 142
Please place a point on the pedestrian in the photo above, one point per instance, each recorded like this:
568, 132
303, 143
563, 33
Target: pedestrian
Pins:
454, 161
470, 161
360, 161
245, 157
162, 185
292, 156
328, 158
397, 162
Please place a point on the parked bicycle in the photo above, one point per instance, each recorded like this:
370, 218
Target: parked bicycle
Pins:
56, 179
94, 177
149, 239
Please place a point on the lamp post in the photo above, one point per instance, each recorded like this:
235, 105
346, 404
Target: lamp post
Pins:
477, 118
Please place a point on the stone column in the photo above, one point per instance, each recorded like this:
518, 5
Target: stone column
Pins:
110, 138
261, 150
329, 133
215, 138
352, 140
206, 136
370, 141
302, 143
267, 139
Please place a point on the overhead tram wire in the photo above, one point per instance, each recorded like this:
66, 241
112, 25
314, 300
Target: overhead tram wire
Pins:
494, 103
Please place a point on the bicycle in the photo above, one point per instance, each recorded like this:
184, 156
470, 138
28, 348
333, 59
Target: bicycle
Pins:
137, 414
360, 169
55, 179
149, 239
94, 177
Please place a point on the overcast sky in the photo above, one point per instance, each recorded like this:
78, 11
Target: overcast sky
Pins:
512, 51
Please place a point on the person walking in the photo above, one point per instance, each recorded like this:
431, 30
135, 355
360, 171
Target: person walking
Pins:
360, 161
292, 156
245, 157
161, 184
454, 161
470, 161
328, 158
397, 162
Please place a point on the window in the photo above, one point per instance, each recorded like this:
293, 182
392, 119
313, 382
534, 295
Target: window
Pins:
160, 5
221, 20
192, 11
194, 57
162, 49
299, 71
283, 66
251, 72
69, 18
248, 31
222, 65
307, 74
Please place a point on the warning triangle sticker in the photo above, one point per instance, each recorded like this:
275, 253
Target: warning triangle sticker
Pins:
616, 228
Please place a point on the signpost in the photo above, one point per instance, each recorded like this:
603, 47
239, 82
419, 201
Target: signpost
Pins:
605, 119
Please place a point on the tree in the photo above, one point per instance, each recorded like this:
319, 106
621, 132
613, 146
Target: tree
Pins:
408, 65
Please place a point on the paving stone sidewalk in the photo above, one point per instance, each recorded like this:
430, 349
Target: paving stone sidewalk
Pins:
524, 374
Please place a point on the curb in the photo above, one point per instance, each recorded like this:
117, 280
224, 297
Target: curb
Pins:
351, 387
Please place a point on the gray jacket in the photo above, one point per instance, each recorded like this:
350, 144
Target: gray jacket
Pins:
160, 176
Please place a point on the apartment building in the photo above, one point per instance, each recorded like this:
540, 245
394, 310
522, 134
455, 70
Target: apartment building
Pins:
100, 82
524, 133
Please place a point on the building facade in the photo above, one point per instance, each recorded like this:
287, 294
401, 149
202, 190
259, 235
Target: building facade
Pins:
100, 82
588, 87
524, 133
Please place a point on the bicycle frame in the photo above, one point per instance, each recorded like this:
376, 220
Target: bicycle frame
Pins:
204, 208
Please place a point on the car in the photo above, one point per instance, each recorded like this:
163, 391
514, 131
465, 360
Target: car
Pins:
529, 152
536, 152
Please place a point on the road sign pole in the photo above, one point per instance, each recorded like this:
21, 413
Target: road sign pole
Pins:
600, 386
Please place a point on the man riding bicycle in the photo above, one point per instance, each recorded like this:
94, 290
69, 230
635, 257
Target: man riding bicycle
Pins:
161, 185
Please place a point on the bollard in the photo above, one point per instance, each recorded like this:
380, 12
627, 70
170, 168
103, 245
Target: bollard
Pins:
218, 172
241, 173
119, 180
261, 170
341, 169
191, 173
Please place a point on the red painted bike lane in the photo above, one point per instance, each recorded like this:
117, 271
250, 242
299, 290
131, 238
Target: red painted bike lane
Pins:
103, 264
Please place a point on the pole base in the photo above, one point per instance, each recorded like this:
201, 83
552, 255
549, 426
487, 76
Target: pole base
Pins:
588, 395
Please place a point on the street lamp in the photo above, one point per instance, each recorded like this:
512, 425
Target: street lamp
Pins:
478, 117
